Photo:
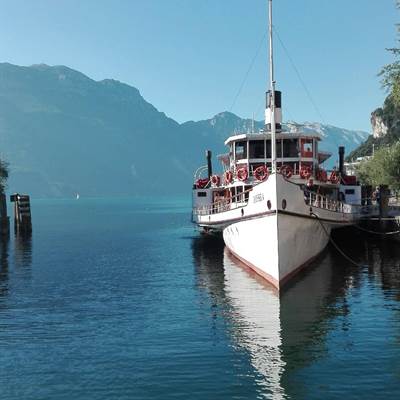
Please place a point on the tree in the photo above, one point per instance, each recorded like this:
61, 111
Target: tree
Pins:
3, 175
391, 73
383, 168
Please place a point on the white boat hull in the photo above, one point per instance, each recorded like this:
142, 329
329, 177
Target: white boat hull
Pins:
277, 246
277, 232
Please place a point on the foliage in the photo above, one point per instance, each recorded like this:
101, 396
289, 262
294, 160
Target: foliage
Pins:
383, 168
3, 175
391, 73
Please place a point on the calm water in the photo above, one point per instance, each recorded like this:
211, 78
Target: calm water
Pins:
121, 300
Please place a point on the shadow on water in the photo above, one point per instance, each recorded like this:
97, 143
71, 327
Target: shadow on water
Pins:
288, 332
23, 250
4, 267
22, 258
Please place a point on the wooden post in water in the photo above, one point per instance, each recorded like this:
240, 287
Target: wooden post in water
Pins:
383, 201
22, 213
4, 219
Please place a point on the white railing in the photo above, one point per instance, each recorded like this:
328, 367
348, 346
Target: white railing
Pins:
225, 204
319, 201
199, 171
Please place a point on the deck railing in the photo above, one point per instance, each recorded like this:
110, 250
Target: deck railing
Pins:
224, 204
319, 201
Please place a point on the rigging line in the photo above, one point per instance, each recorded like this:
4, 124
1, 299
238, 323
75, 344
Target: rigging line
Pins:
335, 245
248, 72
299, 77
376, 232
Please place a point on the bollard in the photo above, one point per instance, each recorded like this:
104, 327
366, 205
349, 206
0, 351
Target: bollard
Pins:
4, 219
22, 213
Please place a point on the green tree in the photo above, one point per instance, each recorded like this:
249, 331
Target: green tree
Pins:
391, 73
383, 168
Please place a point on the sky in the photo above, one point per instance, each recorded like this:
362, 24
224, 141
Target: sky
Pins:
193, 59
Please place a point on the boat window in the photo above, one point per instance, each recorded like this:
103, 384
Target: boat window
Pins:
306, 147
279, 148
256, 149
349, 191
290, 149
268, 152
241, 150
201, 194
246, 193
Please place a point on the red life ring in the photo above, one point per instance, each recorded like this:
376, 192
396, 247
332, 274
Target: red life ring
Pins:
305, 172
261, 173
215, 180
242, 174
334, 177
286, 171
201, 183
228, 177
322, 175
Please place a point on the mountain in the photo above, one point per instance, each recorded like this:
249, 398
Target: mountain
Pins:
64, 133
385, 123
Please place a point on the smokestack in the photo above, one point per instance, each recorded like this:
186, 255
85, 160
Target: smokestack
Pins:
341, 160
209, 164
278, 111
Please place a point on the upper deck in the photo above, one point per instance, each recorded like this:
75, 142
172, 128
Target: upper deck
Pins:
294, 149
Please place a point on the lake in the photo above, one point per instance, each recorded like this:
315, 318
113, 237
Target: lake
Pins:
124, 299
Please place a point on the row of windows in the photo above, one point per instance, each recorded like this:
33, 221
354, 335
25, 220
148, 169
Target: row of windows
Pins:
256, 148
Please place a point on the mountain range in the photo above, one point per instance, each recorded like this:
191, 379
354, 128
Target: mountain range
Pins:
63, 133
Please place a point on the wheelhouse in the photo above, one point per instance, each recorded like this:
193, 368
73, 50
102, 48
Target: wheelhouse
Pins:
293, 151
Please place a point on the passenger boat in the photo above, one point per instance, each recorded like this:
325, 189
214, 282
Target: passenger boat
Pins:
274, 203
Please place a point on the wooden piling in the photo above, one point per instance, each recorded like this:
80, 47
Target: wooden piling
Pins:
22, 213
4, 219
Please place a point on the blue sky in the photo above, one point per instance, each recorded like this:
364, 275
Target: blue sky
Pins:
189, 58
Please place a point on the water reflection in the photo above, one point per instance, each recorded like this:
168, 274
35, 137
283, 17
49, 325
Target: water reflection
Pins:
287, 333
23, 250
4, 268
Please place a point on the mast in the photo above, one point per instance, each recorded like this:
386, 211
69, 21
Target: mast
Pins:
272, 92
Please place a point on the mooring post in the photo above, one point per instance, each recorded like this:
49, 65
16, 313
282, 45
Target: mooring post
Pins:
22, 213
383, 201
4, 219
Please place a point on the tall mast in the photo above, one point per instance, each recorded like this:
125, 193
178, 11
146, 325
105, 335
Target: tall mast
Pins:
272, 93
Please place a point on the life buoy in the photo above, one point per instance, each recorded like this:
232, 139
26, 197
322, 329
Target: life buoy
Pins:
305, 172
286, 171
261, 173
242, 174
334, 177
322, 175
228, 177
215, 180
201, 183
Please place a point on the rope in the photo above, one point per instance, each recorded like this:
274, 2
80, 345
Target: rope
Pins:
376, 232
335, 245
248, 72
299, 77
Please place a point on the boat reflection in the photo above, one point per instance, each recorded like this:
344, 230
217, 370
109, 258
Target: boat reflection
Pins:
283, 332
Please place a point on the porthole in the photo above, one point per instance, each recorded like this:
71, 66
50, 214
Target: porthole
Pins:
269, 204
242, 211
284, 204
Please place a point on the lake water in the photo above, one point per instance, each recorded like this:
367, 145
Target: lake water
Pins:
122, 299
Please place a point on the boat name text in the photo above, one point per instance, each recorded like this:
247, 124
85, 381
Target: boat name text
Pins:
258, 197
